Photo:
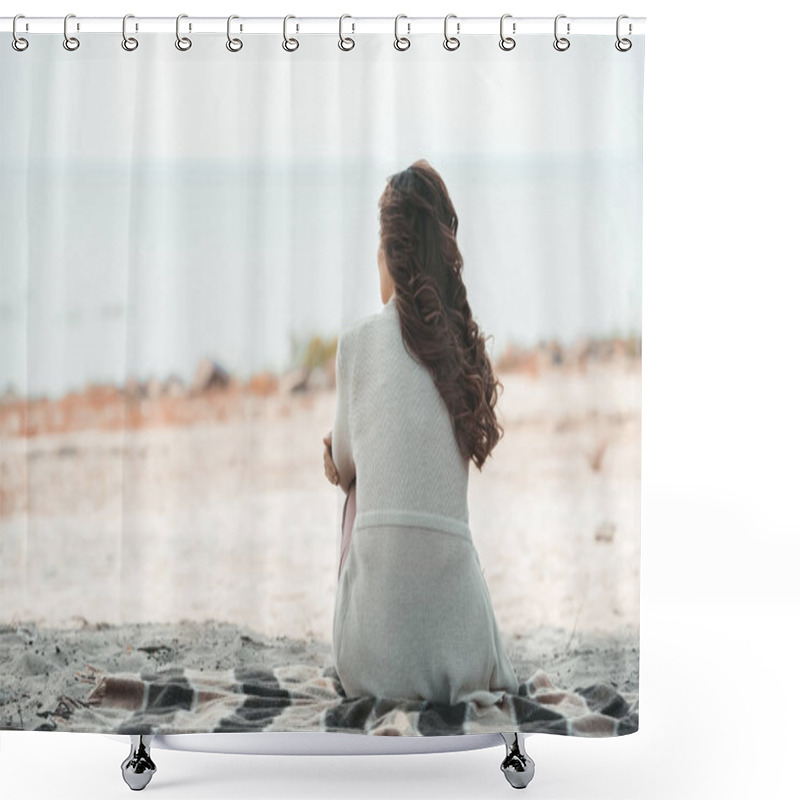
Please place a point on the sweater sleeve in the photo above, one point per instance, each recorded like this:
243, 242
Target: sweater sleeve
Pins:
341, 446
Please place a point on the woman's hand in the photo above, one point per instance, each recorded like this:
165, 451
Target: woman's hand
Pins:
331, 473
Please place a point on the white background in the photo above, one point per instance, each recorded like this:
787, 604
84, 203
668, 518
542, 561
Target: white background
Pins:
721, 447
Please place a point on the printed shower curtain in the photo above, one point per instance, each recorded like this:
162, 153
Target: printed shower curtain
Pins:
321, 382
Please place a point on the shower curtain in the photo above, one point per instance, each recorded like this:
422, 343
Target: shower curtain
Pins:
321, 384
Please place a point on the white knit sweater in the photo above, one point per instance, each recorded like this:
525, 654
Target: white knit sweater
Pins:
413, 615
393, 430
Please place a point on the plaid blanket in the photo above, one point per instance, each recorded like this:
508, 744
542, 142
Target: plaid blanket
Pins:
301, 697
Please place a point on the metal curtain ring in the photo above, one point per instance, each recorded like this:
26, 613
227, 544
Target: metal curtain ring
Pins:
18, 43
181, 42
70, 42
351, 43
506, 42
623, 45
401, 43
451, 42
561, 43
234, 45
128, 42
295, 44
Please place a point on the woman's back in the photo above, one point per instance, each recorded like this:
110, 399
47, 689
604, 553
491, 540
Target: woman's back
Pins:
401, 435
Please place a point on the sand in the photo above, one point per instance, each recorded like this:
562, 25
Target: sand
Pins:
44, 667
231, 519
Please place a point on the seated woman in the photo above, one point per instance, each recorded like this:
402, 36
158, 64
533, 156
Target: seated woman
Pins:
415, 396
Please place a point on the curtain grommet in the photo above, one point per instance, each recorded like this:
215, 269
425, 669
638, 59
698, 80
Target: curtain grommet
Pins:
289, 48
451, 42
507, 42
342, 39
70, 43
19, 43
129, 43
406, 42
233, 44
561, 43
183, 43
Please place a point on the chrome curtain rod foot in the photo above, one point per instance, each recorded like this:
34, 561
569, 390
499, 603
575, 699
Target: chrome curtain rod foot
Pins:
517, 766
138, 768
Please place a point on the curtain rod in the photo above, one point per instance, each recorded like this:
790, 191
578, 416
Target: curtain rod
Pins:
514, 26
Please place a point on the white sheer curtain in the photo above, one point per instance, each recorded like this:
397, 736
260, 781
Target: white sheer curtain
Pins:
172, 221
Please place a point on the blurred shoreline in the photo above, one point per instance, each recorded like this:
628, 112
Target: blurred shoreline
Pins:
216, 394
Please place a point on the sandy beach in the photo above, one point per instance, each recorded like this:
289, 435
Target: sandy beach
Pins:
50, 673
116, 538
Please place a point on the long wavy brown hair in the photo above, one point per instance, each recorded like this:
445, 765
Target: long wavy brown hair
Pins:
418, 227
